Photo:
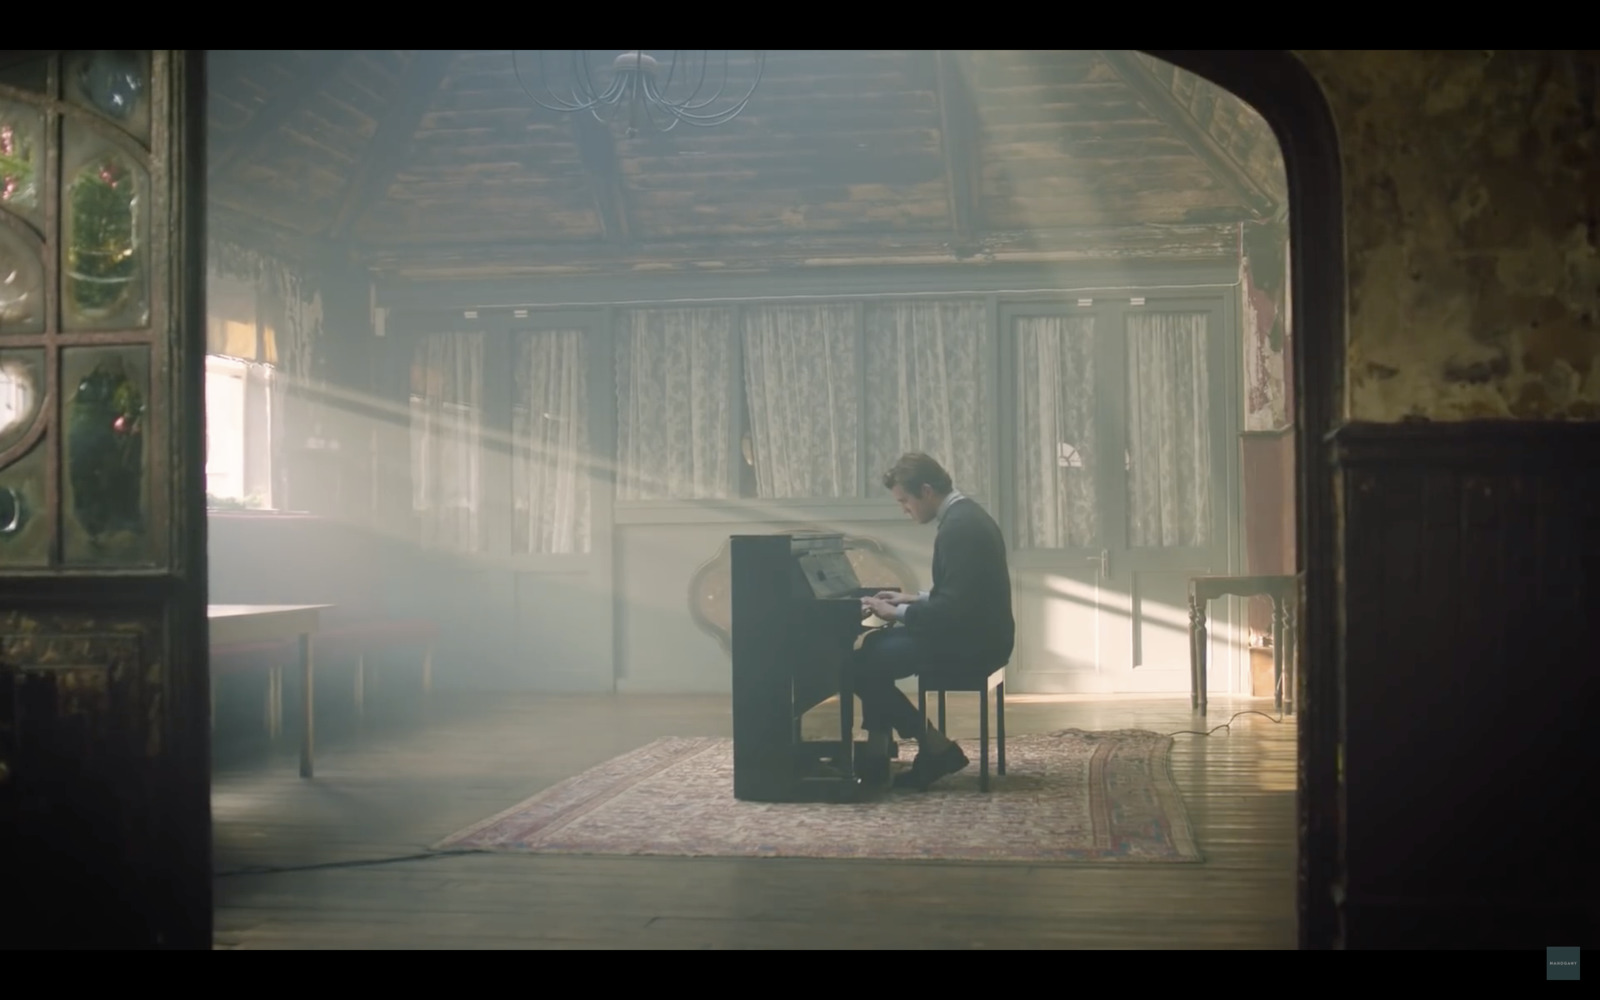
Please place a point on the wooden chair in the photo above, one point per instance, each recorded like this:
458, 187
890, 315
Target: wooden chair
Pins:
981, 682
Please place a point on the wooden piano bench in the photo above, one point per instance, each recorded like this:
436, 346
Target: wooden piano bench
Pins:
981, 682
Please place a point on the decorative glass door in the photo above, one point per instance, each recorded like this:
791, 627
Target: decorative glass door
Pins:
1173, 495
1116, 448
103, 722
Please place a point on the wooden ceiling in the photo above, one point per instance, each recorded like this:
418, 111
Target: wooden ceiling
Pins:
438, 163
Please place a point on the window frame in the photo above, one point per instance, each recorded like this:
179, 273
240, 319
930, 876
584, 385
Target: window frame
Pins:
228, 300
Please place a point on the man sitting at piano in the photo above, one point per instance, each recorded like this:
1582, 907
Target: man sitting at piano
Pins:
963, 624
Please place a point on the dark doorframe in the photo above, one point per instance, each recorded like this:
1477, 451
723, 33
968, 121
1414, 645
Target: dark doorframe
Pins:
1278, 86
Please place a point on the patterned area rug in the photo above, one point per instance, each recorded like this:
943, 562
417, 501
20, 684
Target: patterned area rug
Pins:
1069, 796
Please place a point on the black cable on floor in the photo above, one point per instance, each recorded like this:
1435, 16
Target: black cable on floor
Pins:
273, 870
1225, 725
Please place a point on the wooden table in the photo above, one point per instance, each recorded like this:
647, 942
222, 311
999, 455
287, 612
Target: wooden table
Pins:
1284, 592
233, 624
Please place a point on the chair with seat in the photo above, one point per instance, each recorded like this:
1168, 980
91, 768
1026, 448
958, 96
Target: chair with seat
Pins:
981, 682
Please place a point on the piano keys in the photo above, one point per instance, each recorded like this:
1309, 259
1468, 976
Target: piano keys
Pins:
796, 617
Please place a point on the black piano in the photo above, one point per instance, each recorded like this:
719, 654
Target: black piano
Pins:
796, 617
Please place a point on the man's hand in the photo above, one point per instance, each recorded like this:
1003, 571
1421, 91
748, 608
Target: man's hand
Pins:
895, 597
878, 606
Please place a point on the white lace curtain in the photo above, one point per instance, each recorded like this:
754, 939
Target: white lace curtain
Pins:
1056, 445
927, 389
550, 444
926, 366
674, 408
447, 440
1059, 457
802, 387
1169, 430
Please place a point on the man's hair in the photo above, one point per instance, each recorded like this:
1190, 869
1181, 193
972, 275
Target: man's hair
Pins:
916, 470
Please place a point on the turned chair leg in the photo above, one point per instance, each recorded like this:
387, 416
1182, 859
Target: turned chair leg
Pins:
1000, 726
983, 740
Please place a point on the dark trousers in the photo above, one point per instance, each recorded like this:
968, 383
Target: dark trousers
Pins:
886, 656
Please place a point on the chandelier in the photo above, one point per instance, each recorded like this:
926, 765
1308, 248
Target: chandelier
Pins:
642, 88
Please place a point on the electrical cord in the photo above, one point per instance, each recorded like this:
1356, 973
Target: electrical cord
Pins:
276, 869
1225, 725
431, 855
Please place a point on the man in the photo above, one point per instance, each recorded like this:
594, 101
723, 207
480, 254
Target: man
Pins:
963, 624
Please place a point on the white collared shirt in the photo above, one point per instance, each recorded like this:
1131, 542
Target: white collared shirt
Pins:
944, 505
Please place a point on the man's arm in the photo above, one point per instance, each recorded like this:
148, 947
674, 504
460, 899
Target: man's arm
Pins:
903, 601
897, 598
963, 567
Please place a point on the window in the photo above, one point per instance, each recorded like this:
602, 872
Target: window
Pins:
1169, 430
674, 403
446, 440
550, 496
802, 409
1056, 438
1160, 389
823, 386
927, 387
241, 387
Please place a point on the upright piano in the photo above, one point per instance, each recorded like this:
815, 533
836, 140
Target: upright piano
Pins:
796, 617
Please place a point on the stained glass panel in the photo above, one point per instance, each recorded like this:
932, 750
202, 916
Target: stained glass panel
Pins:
106, 481
106, 213
21, 394
115, 84
21, 153
26, 74
21, 285
24, 520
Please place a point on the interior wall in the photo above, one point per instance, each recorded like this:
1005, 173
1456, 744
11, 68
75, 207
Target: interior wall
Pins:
1472, 238
1266, 447
1465, 586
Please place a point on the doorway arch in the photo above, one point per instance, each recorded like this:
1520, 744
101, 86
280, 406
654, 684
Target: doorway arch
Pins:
1283, 91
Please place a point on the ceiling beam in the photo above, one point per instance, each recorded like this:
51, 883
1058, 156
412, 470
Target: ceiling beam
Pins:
264, 125
382, 161
1162, 103
227, 224
753, 253
600, 160
960, 132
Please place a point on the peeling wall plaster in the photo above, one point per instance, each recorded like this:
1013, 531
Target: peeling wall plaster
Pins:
1472, 226
1265, 320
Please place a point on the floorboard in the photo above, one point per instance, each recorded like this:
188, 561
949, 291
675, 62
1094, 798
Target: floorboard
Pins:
391, 792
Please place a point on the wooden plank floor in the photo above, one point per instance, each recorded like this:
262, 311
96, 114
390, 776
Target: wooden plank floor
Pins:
391, 794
